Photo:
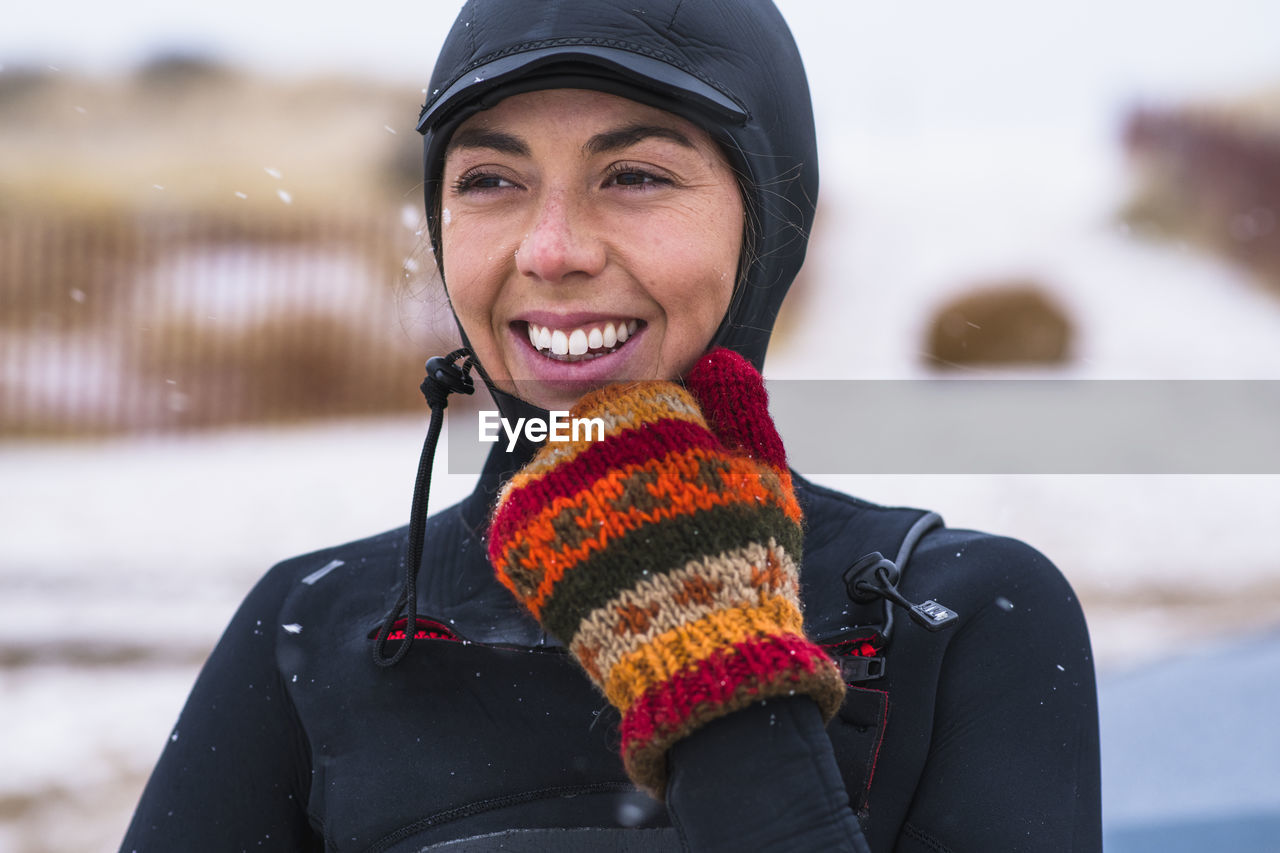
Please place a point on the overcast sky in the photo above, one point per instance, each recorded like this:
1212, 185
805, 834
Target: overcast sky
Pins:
883, 65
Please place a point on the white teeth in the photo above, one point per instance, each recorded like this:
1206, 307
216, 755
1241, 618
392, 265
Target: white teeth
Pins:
577, 343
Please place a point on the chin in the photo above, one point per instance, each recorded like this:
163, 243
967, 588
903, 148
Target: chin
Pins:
560, 399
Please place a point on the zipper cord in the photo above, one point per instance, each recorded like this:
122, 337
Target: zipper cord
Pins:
872, 577
444, 377
875, 577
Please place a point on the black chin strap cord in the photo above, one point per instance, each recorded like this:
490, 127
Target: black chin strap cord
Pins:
444, 377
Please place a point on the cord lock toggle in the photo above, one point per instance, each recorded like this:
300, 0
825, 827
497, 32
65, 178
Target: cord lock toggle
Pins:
873, 577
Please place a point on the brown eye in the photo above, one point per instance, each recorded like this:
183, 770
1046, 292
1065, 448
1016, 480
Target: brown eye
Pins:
478, 182
633, 178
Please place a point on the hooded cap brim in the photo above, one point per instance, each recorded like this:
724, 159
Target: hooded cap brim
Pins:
576, 66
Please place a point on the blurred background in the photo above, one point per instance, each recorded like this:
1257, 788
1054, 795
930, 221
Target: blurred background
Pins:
216, 298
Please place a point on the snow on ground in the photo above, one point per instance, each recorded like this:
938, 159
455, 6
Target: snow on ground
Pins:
121, 561
907, 222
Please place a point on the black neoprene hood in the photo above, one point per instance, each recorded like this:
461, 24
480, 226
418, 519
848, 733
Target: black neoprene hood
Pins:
729, 66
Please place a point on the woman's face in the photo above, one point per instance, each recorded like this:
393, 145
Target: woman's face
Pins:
587, 239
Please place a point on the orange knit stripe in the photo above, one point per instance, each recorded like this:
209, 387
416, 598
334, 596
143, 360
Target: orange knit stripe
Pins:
557, 563
743, 577
593, 512
784, 477
665, 655
673, 474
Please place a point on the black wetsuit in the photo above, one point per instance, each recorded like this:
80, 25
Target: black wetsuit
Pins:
982, 737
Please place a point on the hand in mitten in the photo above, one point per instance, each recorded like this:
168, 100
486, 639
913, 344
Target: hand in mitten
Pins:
666, 557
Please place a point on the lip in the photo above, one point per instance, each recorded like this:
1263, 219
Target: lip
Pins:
573, 377
573, 320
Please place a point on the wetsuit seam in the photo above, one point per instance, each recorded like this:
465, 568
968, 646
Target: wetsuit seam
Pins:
917, 834
859, 802
304, 779
671, 23
480, 806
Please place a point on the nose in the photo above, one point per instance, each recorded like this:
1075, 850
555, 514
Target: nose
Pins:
561, 243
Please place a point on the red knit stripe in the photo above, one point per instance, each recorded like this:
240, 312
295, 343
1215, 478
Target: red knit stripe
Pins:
539, 548
630, 447
734, 402
702, 691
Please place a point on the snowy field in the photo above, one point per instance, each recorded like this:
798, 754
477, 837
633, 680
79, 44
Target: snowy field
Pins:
120, 561
979, 143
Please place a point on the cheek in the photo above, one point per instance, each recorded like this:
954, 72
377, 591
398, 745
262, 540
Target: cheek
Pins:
698, 273
703, 271
468, 272
473, 282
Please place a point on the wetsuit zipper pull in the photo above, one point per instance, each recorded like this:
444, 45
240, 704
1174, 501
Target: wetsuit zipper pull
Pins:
874, 576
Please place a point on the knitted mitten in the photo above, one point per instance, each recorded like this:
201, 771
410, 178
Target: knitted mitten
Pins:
665, 557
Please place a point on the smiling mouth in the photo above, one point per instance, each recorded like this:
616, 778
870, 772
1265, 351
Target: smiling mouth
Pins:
583, 343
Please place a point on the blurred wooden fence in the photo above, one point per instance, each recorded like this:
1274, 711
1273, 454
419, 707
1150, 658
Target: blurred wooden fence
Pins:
161, 321
1212, 179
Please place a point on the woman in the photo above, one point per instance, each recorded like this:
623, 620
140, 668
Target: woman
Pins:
619, 196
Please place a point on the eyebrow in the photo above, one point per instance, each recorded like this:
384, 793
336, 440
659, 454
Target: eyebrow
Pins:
625, 137
601, 143
495, 140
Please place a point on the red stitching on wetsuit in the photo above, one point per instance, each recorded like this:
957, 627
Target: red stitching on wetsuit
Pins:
428, 629
862, 647
884, 722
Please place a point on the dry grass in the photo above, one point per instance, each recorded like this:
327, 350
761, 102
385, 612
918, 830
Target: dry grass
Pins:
1210, 175
1002, 322
145, 321
86, 143
281, 369
126, 204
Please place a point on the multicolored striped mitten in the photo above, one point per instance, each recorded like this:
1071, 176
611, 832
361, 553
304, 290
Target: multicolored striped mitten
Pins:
665, 557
